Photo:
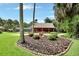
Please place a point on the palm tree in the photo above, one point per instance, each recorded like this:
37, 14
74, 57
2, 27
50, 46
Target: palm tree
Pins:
21, 23
63, 10
33, 18
64, 15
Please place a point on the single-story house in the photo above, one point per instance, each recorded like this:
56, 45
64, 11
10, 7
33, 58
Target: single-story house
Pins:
43, 27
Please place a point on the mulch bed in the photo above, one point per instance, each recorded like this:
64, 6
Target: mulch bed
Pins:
45, 46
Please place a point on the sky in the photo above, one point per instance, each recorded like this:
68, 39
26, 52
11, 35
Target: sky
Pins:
11, 11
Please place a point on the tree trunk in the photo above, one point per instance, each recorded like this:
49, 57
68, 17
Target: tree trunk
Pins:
33, 18
21, 23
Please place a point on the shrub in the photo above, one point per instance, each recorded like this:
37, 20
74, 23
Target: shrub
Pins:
53, 32
30, 34
37, 37
41, 34
0, 31
52, 36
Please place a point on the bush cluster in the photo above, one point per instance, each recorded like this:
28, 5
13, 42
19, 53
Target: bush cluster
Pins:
31, 34
52, 36
37, 37
0, 31
41, 34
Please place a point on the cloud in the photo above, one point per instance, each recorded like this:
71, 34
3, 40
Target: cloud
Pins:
40, 21
52, 16
1, 4
29, 7
26, 7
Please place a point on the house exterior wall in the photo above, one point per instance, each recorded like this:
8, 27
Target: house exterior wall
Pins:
43, 29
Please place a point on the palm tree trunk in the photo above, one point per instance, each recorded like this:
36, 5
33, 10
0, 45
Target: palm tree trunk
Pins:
33, 18
21, 23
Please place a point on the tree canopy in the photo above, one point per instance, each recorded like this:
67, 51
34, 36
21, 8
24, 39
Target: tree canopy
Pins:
67, 15
11, 24
47, 20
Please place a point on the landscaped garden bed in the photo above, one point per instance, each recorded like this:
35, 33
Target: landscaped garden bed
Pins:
45, 46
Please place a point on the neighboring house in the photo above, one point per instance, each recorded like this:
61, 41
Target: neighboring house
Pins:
43, 27
25, 29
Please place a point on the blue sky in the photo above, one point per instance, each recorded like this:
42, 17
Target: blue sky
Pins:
11, 11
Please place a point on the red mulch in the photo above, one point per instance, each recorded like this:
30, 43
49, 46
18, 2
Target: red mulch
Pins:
46, 46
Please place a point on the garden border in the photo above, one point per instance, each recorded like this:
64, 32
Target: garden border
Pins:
62, 53
40, 54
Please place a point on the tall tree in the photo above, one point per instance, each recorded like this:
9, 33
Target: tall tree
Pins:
33, 16
21, 23
47, 20
63, 10
26, 25
16, 23
1, 22
67, 14
10, 23
36, 21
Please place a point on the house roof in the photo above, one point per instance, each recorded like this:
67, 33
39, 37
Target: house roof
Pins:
44, 25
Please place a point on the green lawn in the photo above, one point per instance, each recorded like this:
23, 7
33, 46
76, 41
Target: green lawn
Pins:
8, 45
74, 50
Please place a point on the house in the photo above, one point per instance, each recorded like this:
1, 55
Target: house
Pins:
43, 27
